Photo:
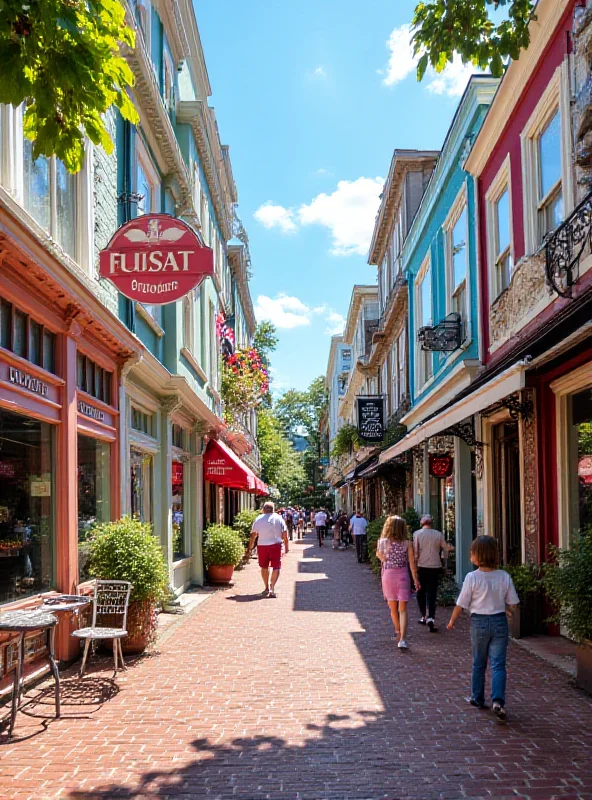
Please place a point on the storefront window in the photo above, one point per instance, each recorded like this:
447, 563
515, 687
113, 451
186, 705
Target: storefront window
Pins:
142, 465
26, 507
179, 549
581, 460
93, 492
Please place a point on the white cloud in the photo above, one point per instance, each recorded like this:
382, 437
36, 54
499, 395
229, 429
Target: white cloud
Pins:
318, 72
335, 323
275, 216
283, 311
402, 63
349, 214
286, 311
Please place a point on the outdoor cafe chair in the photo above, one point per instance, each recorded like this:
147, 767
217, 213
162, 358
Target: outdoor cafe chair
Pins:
109, 617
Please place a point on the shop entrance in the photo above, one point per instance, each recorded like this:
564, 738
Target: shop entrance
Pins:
507, 512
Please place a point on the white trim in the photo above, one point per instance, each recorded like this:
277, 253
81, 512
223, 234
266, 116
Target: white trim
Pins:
508, 382
456, 380
149, 319
421, 380
565, 386
194, 363
459, 205
555, 99
501, 183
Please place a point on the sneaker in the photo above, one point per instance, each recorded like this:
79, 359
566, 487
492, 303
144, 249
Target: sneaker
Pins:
499, 711
402, 645
421, 621
272, 594
431, 625
265, 592
476, 704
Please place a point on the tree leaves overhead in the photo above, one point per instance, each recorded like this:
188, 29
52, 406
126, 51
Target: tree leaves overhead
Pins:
445, 27
61, 58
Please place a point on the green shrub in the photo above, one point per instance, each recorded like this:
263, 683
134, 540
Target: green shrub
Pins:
243, 522
527, 579
567, 581
412, 518
127, 550
448, 591
373, 532
223, 546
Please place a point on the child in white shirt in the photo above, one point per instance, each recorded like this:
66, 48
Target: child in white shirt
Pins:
489, 595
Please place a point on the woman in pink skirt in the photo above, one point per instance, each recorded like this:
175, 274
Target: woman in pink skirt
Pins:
395, 550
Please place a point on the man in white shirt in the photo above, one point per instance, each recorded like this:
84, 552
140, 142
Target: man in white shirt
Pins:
428, 546
320, 522
270, 531
358, 525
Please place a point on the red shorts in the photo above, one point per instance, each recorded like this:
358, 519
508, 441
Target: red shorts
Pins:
269, 555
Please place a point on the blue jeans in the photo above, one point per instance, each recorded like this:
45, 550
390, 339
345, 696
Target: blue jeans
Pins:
489, 637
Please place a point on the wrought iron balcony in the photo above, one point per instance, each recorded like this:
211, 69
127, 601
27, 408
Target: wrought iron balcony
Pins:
565, 247
443, 337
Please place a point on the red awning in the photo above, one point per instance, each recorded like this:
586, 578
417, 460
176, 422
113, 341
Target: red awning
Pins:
223, 467
261, 487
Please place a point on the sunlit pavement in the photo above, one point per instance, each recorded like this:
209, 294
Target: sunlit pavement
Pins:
303, 697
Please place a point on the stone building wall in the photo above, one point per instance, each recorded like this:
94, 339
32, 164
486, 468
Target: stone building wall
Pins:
105, 213
527, 289
528, 435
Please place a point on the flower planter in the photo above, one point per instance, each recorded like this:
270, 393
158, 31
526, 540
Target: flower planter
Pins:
220, 573
529, 617
141, 627
584, 667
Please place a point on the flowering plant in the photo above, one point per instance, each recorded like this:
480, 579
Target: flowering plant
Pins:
245, 380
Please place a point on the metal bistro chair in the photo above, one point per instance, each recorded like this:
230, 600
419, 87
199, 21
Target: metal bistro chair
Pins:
110, 602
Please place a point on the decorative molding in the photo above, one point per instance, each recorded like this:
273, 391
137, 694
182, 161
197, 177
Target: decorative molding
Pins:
186, 353
171, 404
149, 319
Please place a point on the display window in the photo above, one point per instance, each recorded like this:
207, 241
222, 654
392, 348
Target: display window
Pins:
580, 444
27, 491
179, 546
142, 470
94, 501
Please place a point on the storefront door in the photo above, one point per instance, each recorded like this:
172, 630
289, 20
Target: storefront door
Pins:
507, 507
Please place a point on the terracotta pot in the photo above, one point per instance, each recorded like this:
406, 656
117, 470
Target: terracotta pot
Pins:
220, 573
141, 626
584, 667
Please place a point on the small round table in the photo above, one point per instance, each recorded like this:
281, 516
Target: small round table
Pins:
22, 622
66, 602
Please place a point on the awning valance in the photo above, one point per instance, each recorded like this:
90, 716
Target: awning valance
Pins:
225, 468
506, 383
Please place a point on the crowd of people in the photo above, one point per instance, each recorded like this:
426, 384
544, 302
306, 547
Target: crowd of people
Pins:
408, 565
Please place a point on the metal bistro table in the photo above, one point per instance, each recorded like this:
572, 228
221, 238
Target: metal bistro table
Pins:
22, 622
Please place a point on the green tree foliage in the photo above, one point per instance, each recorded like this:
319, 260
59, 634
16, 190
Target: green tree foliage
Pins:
270, 440
467, 27
265, 339
300, 412
61, 58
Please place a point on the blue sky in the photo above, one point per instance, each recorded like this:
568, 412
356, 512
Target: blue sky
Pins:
312, 98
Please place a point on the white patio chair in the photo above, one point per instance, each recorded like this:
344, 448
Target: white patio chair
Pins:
110, 602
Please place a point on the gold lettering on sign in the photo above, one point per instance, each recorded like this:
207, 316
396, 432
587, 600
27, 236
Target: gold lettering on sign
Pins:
27, 381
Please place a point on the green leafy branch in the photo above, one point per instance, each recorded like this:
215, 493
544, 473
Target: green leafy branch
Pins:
61, 59
445, 27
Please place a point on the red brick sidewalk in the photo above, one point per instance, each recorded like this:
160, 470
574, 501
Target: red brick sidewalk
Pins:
303, 698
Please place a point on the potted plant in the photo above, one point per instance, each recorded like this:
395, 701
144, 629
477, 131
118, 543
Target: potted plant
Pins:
243, 523
127, 550
528, 619
568, 584
223, 550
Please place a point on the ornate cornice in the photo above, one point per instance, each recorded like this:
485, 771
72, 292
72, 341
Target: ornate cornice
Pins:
170, 15
155, 121
213, 159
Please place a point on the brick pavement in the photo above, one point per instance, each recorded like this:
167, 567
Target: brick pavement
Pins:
302, 698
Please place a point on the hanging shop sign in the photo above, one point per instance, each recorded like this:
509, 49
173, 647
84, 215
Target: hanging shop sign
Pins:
156, 259
371, 418
441, 466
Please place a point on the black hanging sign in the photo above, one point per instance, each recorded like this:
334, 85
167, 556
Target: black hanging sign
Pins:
371, 418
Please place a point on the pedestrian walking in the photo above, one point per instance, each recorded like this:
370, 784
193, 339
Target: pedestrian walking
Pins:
395, 551
289, 519
489, 595
270, 531
358, 525
428, 545
320, 522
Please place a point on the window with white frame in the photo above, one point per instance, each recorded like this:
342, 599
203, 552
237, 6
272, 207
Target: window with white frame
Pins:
148, 191
424, 318
456, 234
213, 346
499, 231
546, 162
402, 365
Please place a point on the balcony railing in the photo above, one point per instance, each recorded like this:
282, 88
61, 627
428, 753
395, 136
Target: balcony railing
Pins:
565, 247
444, 337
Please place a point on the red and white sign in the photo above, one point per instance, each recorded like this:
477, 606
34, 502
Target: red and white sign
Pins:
156, 259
